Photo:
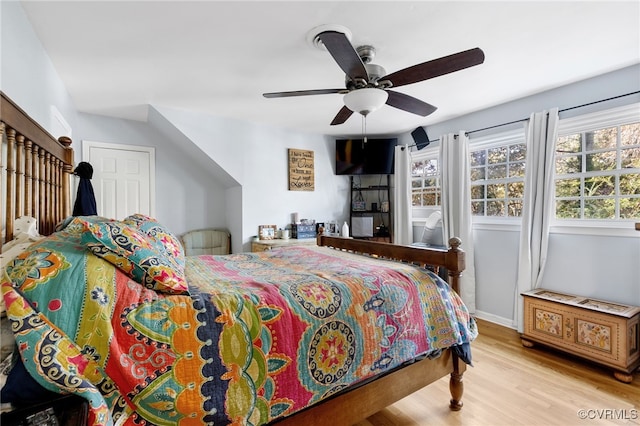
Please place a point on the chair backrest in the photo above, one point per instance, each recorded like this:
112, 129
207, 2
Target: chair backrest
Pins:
432, 232
206, 241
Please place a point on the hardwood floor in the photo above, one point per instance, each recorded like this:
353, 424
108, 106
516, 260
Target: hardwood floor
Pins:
513, 385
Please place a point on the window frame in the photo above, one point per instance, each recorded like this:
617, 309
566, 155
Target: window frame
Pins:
626, 114
495, 140
427, 153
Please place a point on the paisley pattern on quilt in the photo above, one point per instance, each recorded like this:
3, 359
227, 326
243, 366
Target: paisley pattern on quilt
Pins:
259, 336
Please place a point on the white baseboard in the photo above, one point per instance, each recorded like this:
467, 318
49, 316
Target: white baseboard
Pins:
505, 322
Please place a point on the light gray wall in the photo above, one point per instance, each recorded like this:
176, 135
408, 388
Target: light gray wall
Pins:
27, 75
256, 157
188, 195
598, 266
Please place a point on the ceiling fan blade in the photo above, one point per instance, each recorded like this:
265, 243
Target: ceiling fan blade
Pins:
342, 116
302, 93
344, 54
409, 103
437, 67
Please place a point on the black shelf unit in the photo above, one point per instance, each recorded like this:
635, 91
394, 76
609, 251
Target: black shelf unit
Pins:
373, 198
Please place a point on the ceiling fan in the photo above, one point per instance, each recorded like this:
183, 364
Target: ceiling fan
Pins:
368, 85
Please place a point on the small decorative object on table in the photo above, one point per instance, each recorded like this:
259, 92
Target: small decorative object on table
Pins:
267, 232
332, 228
301, 231
358, 203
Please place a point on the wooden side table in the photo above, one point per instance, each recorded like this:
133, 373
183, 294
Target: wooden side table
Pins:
266, 245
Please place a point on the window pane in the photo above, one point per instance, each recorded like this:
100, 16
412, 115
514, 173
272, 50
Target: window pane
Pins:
517, 152
568, 209
599, 185
601, 161
477, 208
431, 167
496, 191
567, 187
599, 208
477, 192
516, 169
630, 208
431, 183
630, 134
571, 143
601, 139
417, 168
495, 208
497, 172
429, 199
516, 190
497, 155
416, 198
416, 183
567, 165
515, 208
630, 184
630, 158
477, 173
478, 158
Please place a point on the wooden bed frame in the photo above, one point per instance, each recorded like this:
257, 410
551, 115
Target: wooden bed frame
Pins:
35, 178
355, 405
35, 171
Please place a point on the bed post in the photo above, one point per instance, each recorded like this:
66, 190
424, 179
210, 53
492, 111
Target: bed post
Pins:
455, 261
456, 386
67, 171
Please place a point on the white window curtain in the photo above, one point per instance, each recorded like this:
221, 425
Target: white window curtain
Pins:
402, 228
456, 206
537, 210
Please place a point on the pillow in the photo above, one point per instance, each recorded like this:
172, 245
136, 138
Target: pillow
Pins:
135, 253
167, 242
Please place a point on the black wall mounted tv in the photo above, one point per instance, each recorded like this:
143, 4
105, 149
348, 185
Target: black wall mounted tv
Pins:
357, 157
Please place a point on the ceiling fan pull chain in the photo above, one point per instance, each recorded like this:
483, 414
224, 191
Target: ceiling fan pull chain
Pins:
364, 129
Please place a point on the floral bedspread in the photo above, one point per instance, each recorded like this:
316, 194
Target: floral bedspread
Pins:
260, 335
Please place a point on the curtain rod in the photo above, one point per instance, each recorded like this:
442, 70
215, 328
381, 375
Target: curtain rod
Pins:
525, 119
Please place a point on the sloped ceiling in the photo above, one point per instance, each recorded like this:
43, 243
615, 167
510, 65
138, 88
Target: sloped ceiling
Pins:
217, 57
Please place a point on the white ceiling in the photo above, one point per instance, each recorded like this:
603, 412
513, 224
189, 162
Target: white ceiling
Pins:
116, 57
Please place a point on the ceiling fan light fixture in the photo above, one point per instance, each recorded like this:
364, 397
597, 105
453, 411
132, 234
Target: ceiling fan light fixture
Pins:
365, 101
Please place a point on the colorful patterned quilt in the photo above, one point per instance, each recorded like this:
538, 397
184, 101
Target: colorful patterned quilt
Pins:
259, 336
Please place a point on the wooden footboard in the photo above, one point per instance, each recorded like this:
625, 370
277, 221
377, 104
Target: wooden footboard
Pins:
452, 259
350, 407
35, 171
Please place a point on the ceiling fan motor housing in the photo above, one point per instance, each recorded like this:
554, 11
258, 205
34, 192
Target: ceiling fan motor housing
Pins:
374, 72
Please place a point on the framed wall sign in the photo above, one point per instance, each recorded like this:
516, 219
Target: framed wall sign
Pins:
301, 170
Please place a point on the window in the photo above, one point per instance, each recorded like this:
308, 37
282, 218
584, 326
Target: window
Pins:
497, 175
597, 166
425, 180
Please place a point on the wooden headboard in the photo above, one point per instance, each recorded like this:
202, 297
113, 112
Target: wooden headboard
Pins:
36, 170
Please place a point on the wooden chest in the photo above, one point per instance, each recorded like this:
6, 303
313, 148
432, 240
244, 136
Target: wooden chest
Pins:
603, 332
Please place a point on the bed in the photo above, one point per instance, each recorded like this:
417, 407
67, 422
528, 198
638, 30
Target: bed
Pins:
113, 311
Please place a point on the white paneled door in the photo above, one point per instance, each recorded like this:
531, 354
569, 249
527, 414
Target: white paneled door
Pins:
123, 178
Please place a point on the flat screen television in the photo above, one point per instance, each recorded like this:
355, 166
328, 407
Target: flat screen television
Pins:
356, 157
